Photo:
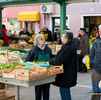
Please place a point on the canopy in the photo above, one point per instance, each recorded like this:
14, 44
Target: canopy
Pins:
29, 16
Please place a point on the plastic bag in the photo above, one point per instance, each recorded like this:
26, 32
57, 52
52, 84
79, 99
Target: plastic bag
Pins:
86, 61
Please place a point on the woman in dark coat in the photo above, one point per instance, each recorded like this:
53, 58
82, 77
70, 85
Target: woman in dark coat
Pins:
67, 57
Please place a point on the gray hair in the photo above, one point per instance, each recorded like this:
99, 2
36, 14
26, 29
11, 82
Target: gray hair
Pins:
99, 27
37, 36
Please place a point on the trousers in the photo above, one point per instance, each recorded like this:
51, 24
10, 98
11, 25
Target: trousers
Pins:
42, 91
65, 93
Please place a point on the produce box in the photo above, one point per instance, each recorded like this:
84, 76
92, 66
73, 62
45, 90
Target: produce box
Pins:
9, 70
11, 74
22, 74
35, 73
38, 73
7, 97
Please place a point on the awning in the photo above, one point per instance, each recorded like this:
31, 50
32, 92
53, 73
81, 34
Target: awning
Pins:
29, 16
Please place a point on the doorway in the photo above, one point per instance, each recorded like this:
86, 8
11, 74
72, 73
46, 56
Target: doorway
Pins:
91, 22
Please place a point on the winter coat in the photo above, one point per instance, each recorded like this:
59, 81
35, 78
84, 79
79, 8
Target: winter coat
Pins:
95, 55
5, 36
84, 45
37, 54
66, 57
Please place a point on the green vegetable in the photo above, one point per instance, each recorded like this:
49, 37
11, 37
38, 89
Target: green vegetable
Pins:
8, 66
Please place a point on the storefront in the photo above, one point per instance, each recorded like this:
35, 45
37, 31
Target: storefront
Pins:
91, 22
34, 17
84, 15
29, 21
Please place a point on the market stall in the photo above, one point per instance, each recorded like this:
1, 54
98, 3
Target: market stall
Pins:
20, 83
14, 71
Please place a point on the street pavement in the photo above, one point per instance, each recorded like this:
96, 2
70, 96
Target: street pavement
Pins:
79, 92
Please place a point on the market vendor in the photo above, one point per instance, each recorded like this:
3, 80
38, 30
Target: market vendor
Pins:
40, 53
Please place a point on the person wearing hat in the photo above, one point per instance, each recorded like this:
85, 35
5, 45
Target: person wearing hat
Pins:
66, 57
83, 49
95, 56
47, 33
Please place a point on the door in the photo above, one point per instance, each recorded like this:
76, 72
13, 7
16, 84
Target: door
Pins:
87, 23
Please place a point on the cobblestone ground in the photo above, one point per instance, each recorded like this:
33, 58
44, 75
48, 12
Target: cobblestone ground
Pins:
79, 92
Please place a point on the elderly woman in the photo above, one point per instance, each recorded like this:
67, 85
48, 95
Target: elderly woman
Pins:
66, 57
40, 52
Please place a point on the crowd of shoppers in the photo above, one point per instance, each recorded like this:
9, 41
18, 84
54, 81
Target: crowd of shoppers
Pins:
70, 56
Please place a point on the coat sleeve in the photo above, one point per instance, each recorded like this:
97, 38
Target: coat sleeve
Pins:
92, 54
51, 55
31, 55
60, 57
86, 44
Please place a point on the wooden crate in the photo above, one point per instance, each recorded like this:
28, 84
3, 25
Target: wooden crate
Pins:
8, 97
2, 92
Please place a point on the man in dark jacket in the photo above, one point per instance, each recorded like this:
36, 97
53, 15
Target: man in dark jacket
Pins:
84, 48
66, 57
96, 62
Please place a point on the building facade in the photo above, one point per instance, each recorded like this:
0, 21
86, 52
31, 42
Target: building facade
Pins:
79, 15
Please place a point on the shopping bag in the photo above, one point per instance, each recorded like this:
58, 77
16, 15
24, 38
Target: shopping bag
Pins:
86, 61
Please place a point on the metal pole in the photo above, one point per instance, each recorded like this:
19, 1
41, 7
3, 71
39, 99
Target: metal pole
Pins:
62, 16
1, 17
18, 93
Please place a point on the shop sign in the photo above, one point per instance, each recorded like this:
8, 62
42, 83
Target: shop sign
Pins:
45, 8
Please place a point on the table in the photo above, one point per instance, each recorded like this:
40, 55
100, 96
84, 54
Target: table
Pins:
20, 83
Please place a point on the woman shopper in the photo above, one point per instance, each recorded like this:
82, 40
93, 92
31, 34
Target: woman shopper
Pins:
41, 52
6, 38
96, 64
66, 57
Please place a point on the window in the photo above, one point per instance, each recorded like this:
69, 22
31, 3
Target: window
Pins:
56, 23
